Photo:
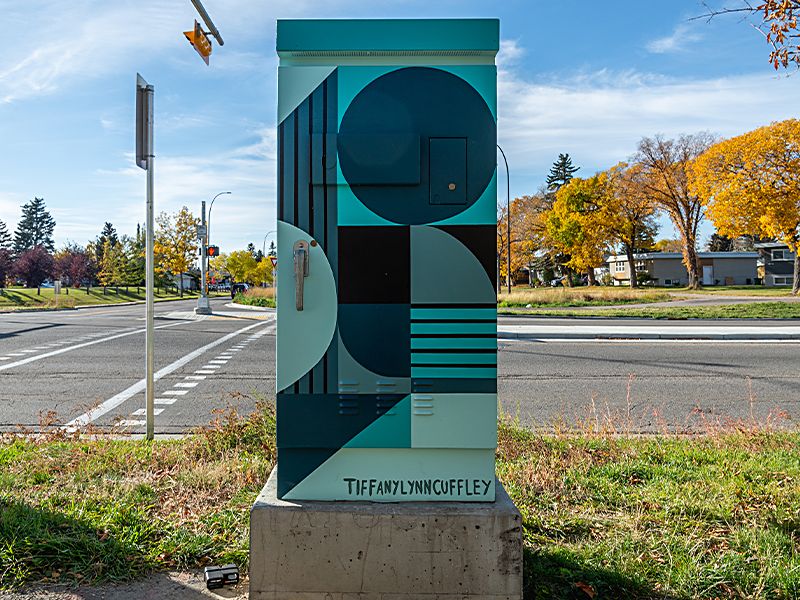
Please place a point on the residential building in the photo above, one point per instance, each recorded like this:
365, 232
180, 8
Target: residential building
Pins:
667, 268
778, 263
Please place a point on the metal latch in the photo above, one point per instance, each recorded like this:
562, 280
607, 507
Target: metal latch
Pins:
300, 270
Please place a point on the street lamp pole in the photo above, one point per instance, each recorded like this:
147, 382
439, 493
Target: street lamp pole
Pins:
264, 252
508, 219
208, 228
208, 231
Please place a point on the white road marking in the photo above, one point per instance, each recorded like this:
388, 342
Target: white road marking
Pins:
187, 384
143, 411
206, 372
16, 354
28, 351
69, 348
225, 356
164, 400
131, 423
175, 392
200, 377
5, 358
210, 367
140, 386
218, 362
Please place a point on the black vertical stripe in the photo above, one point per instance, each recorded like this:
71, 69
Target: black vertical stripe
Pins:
310, 169
324, 167
280, 172
296, 131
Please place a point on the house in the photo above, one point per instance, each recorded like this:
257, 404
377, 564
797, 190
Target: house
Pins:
667, 268
778, 263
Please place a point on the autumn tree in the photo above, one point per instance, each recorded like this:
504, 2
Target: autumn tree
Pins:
576, 223
35, 228
629, 213
668, 245
33, 266
751, 185
778, 23
175, 246
113, 264
73, 265
240, 263
502, 241
6, 265
664, 168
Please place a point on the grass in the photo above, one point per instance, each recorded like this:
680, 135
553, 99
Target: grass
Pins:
257, 296
579, 296
755, 310
21, 298
607, 514
742, 290
97, 509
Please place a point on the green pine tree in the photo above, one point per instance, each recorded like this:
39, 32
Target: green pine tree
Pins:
5, 237
560, 173
35, 228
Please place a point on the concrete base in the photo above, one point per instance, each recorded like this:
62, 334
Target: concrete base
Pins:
203, 306
301, 550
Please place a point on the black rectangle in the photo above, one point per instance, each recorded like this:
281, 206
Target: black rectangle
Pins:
374, 265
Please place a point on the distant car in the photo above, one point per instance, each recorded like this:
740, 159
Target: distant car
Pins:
558, 282
238, 287
47, 284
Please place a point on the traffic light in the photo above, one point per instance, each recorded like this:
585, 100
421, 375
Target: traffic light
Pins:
199, 41
212, 250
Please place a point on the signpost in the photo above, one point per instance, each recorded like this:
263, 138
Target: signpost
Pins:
144, 159
203, 305
57, 289
199, 38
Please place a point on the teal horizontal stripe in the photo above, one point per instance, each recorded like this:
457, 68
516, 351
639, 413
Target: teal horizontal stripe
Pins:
471, 373
456, 359
453, 313
448, 343
465, 328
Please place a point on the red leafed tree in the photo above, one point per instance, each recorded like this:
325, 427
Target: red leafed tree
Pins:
33, 266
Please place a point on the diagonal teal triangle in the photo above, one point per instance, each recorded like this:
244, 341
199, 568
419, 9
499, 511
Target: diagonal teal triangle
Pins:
392, 430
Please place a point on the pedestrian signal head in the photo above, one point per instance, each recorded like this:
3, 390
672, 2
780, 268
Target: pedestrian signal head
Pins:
212, 250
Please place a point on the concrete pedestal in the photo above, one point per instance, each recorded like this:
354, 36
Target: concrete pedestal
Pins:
203, 306
406, 551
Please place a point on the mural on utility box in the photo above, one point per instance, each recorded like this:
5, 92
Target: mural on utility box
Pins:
387, 321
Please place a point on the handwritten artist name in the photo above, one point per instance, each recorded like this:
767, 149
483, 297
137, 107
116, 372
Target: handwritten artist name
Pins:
417, 487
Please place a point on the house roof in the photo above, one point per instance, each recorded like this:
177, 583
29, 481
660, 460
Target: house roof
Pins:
767, 245
674, 255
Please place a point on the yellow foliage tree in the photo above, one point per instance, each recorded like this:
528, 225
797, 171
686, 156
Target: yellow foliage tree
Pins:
240, 263
175, 244
664, 168
751, 185
577, 222
113, 264
629, 211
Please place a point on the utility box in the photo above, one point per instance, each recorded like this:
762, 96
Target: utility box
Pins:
387, 320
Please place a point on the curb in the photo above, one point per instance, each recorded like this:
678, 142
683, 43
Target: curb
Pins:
649, 336
249, 307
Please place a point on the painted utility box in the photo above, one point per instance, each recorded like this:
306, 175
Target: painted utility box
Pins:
387, 320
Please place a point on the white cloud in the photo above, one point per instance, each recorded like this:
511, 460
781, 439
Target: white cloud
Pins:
598, 118
677, 42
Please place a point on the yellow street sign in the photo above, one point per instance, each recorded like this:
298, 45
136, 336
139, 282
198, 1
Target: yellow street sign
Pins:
199, 41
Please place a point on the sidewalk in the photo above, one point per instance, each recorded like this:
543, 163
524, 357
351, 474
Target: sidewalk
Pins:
587, 331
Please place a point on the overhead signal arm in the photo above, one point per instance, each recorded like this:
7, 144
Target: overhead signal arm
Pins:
199, 38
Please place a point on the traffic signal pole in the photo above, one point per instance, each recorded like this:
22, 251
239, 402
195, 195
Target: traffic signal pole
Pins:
203, 305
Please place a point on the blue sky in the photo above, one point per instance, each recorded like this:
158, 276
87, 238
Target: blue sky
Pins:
586, 78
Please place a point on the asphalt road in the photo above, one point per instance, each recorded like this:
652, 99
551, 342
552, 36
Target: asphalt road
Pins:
54, 365
60, 363
672, 383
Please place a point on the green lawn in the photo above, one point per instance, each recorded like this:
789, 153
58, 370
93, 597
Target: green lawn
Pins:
755, 310
20, 298
606, 515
